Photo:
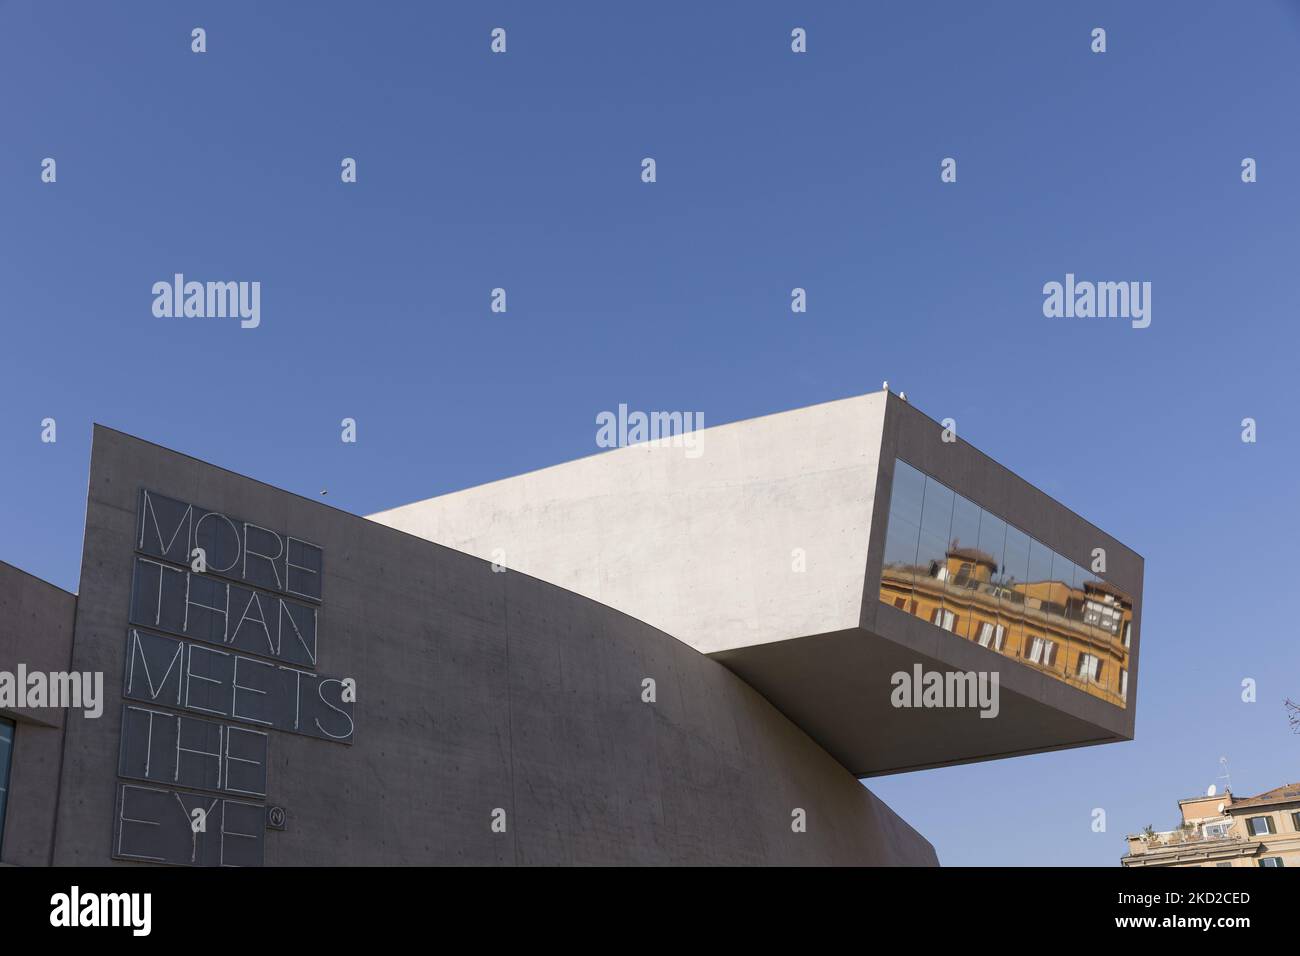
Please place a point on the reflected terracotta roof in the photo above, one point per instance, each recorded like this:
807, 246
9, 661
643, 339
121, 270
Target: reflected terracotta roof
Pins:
1096, 584
1287, 793
973, 554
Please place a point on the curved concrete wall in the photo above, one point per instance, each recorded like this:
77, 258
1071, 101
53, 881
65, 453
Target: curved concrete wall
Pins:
476, 690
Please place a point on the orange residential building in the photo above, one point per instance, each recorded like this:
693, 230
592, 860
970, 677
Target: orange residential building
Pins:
1226, 831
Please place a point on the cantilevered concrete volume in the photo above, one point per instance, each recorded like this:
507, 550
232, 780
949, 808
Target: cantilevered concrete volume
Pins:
819, 552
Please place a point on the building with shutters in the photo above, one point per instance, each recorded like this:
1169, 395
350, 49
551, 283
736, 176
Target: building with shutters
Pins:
1226, 830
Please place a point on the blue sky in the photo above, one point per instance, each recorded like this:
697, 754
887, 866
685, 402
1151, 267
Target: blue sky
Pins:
775, 170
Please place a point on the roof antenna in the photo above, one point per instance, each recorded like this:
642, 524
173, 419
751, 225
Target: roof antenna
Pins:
1225, 776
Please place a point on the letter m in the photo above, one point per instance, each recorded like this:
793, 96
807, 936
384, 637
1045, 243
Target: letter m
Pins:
1109, 296
137, 654
223, 300
664, 425
152, 540
117, 909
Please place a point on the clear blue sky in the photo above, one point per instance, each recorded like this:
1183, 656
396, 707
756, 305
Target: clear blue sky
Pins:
774, 171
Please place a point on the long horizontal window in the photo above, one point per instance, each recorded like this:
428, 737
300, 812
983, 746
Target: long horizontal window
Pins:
960, 567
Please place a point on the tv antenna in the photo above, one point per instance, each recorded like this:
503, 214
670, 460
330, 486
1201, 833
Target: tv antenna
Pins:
1225, 776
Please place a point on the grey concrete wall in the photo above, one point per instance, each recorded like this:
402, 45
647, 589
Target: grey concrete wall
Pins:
476, 690
36, 621
702, 547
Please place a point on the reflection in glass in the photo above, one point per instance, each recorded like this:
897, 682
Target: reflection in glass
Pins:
1015, 567
1095, 667
936, 512
993, 536
1058, 594
967, 567
1057, 601
965, 523
901, 537
932, 555
1016, 560
900, 561
963, 569
905, 498
1038, 580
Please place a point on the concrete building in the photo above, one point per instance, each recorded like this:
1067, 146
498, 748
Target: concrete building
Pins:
1225, 830
683, 652
814, 552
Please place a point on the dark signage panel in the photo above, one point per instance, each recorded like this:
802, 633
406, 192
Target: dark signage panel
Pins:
192, 752
206, 608
233, 549
160, 825
197, 711
205, 680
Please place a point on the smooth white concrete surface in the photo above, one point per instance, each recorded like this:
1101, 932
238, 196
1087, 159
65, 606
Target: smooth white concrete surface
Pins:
700, 542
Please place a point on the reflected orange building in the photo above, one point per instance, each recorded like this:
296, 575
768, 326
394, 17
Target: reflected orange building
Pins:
1080, 635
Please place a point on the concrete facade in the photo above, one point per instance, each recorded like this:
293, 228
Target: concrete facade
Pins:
478, 693
761, 543
36, 622
672, 653
697, 541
